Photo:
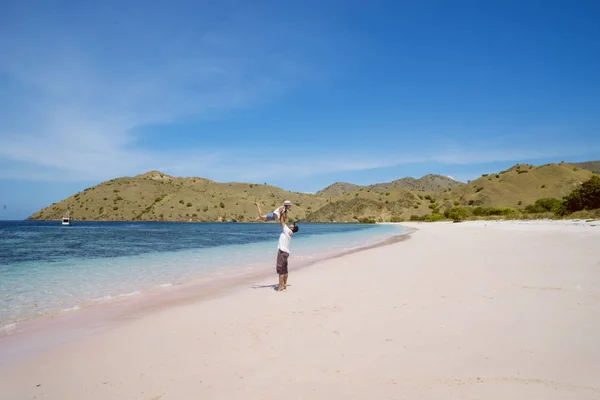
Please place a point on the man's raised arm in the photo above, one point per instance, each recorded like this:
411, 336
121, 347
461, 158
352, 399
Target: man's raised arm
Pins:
282, 220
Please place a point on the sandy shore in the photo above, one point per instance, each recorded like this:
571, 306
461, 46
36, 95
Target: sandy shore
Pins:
477, 310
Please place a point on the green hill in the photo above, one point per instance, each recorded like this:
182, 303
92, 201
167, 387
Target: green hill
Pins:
516, 187
155, 196
521, 185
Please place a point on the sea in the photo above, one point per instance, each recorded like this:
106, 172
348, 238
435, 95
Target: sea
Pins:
47, 269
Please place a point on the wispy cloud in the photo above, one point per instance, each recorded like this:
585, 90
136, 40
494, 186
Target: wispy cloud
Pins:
239, 165
75, 107
77, 98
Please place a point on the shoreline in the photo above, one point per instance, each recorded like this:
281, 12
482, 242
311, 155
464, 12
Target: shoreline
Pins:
96, 317
188, 265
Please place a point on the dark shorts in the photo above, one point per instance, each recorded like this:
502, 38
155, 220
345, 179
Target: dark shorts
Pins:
282, 262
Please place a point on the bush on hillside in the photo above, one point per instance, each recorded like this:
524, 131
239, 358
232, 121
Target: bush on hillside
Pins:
416, 218
549, 204
366, 220
457, 213
433, 217
487, 211
396, 218
585, 197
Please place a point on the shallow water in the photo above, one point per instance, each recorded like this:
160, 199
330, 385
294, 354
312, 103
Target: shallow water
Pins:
47, 269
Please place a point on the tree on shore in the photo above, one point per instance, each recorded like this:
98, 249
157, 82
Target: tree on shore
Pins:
585, 197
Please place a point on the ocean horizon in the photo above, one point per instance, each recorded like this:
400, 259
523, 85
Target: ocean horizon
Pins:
47, 269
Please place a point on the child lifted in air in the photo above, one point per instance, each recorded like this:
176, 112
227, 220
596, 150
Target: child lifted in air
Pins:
274, 216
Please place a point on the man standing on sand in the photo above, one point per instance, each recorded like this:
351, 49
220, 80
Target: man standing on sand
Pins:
283, 252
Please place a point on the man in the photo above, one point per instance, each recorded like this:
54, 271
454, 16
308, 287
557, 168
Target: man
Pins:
282, 210
283, 252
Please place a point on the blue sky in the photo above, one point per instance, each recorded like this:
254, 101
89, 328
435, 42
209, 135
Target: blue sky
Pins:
296, 94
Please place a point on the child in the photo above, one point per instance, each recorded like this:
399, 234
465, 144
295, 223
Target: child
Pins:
274, 216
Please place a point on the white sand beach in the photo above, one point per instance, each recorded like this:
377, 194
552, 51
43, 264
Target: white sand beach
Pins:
476, 310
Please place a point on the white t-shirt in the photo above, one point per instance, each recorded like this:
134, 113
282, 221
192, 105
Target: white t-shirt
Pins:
284, 239
277, 212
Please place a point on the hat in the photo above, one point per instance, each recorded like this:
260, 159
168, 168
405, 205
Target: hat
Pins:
287, 203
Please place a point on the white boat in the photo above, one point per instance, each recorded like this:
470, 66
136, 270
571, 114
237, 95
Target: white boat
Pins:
67, 220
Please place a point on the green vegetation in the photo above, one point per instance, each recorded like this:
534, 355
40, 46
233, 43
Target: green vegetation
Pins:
487, 211
366, 220
434, 217
585, 197
550, 204
458, 214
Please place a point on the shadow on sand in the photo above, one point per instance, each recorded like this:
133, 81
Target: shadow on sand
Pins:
274, 287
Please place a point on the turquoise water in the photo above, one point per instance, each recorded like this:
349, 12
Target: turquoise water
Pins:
48, 269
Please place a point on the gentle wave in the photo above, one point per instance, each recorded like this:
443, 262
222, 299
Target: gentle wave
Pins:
8, 328
134, 293
69, 309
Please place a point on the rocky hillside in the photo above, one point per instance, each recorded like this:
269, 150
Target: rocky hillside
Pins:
521, 185
427, 183
516, 187
338, 189
370, 205
155, 196
591, 165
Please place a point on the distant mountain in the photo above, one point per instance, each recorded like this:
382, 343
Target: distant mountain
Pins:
427, 183
156, 196
370, 205
591, 165
338, 189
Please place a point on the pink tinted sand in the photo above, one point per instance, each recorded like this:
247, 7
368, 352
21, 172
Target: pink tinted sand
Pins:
472, 310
